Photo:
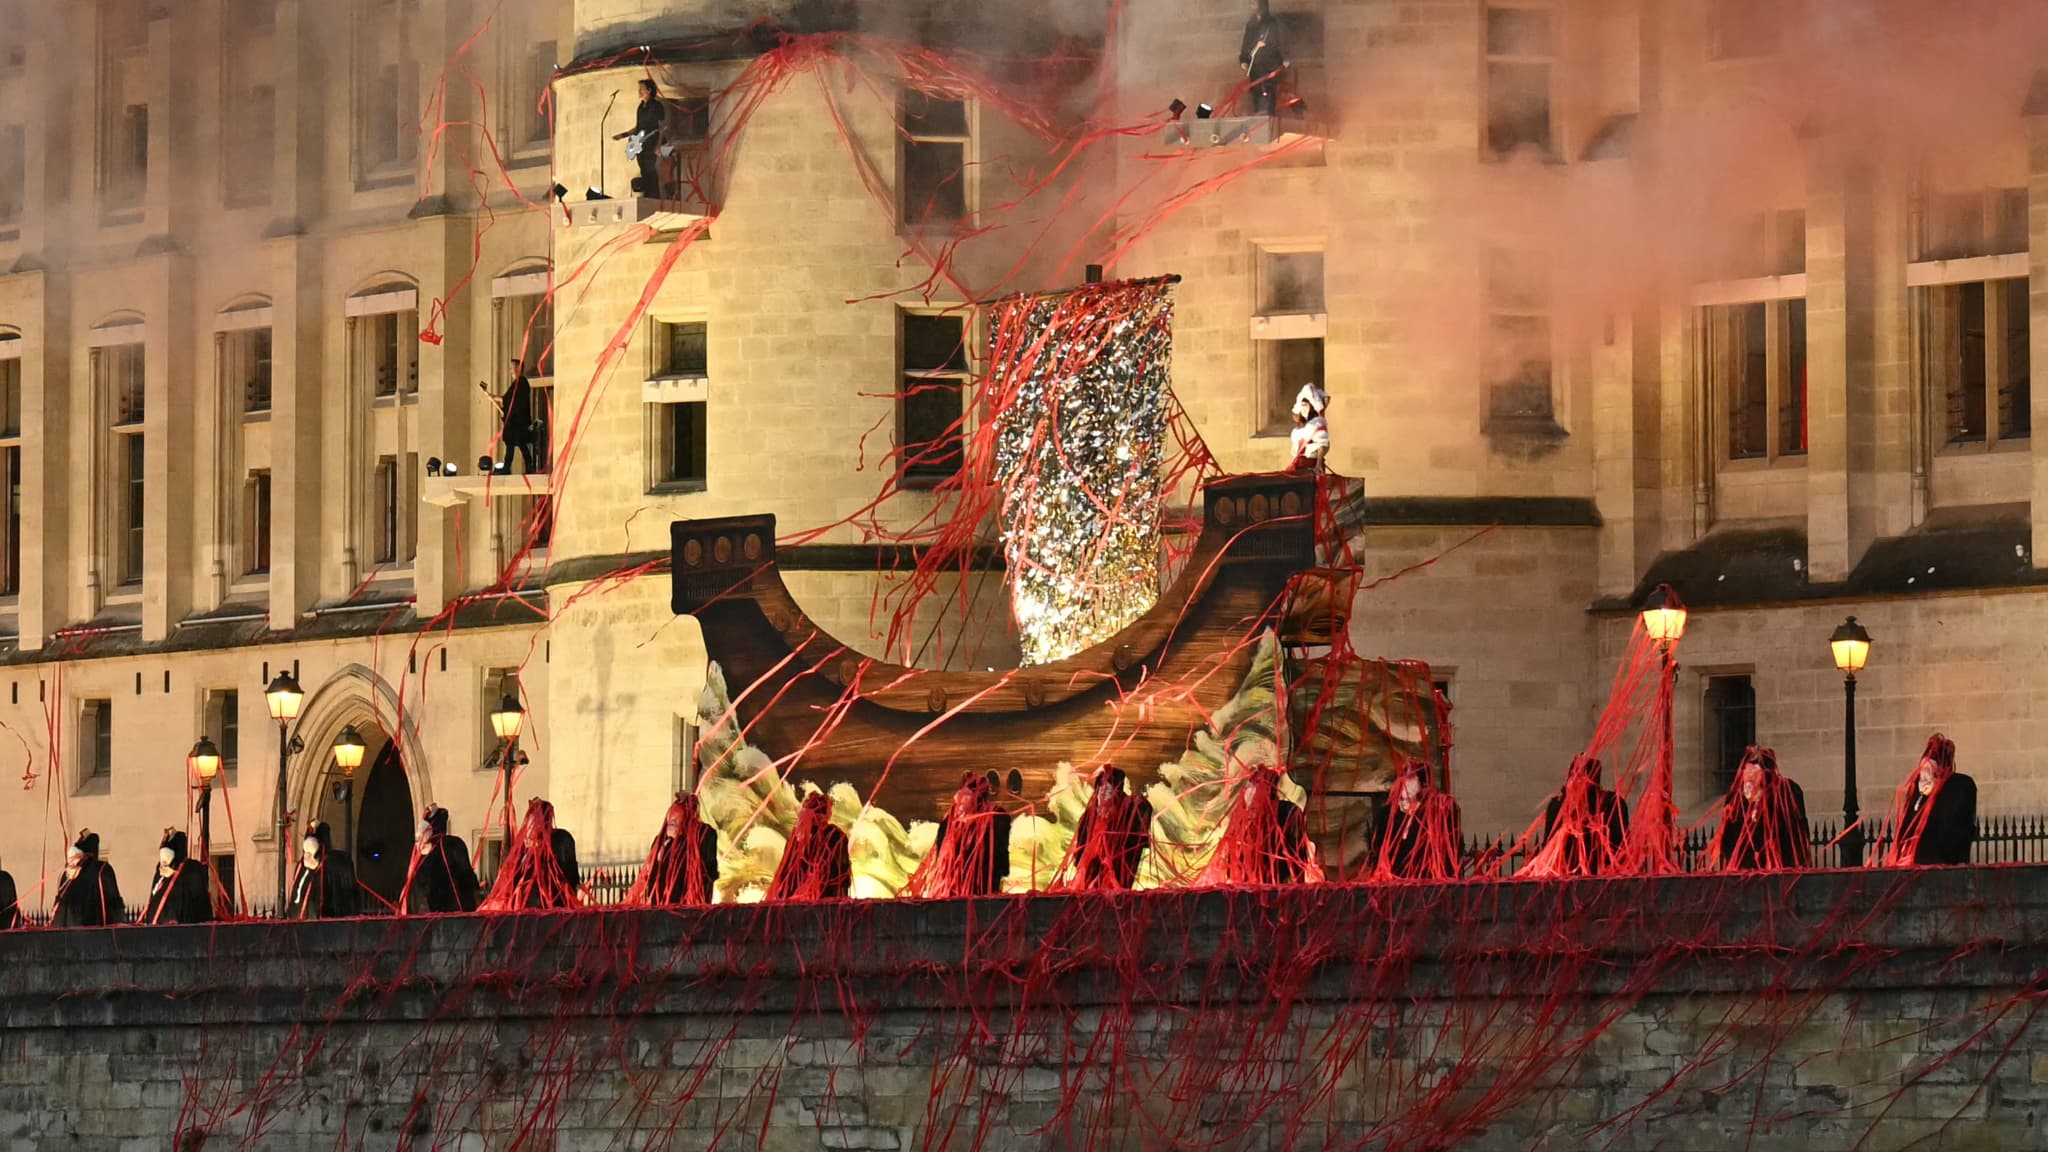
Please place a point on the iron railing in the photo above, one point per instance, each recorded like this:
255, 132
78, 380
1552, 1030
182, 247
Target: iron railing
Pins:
2015, 839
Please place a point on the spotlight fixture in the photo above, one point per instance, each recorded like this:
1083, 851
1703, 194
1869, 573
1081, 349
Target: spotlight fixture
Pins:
1177, 107
1203, 111
483, 465
595, 194
450, 469
560, 192
433, 465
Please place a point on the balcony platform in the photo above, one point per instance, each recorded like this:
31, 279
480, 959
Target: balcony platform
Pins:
1262, 132
454, 491
663, 215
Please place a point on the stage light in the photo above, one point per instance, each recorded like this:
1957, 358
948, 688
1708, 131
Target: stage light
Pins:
483, 465
433, 465
449, 469
560, 192
1178, 107
1203, 111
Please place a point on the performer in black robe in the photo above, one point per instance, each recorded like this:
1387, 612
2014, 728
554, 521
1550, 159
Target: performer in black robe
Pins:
1591, 821
179, 893
1265, 840
1111, 839
441, 877
10, 903
1263, 59
1934, 814
817, 864
325, 886
88, 896
682, 863
971, 854
1763, 819
1421, 836
540, 869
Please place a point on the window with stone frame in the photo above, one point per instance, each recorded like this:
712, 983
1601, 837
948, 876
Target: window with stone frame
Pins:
1958, 225
13, 173
221, 720
95, 740
10, 464
122, 151
931, 398
1521, 62
530, 38
1754, 358
1975, 358
248, 124
1520, 388
255, 543
387, 35
120, 388
935, 157
1288, 330
1767, 244
1728, 724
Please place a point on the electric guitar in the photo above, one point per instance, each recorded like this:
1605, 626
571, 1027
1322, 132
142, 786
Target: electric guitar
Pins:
639, 142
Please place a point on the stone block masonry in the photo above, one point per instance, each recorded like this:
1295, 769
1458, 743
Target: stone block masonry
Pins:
1822, 1011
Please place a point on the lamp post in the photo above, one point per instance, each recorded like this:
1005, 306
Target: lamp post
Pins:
1851, 647
284, 697
1663, 619
506, 722
348, 756
204, 762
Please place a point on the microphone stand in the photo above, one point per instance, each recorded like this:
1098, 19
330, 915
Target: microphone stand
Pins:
603, 142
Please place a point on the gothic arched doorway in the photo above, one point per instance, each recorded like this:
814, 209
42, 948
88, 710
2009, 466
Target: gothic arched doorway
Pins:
384, 825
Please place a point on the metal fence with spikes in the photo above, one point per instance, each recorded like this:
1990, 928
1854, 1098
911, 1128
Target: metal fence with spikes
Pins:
2001, 839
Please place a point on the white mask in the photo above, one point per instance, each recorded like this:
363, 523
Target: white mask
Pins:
165, 857
311, 848
1409, 792
73, 861
1926, 781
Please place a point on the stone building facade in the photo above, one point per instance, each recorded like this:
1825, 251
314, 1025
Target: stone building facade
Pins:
1577, 344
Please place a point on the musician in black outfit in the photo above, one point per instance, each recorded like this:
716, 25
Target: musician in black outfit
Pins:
1264, 62
517, 429
646, 136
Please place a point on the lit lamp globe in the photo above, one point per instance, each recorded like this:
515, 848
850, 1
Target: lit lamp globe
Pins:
348, 751
1664, 616
508, 718
204, 761
1851, 646
284, 697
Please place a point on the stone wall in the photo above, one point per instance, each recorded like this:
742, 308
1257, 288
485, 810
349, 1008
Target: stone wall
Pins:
1697, 1013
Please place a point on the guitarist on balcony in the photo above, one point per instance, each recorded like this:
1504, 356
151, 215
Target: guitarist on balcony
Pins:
643, 140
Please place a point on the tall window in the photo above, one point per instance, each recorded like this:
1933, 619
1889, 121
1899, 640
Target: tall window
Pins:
1520, 57
123, 152
385, 505
223, 724
526, 329
1729, 708
387, 90
119, 377
1977, 362
392, 349
931, 398
10, 466
1741, 29
245, 369
1518, 345
96, 739
256, 524
1756, 368
1288, 330
936, 138
248, 102
678, 409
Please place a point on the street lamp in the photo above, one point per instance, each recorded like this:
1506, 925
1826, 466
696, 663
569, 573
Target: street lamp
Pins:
1851, 648
506, 722
1663, 618
204, 762
348, 756
284, 697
